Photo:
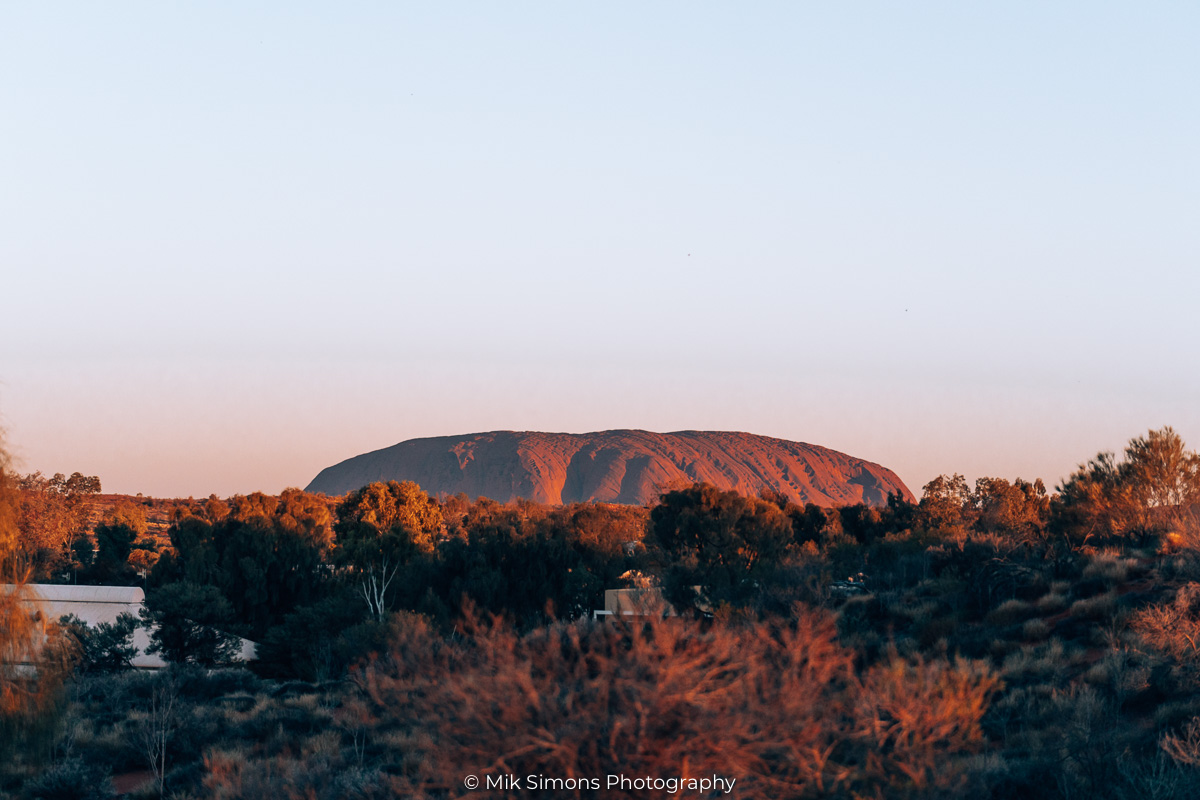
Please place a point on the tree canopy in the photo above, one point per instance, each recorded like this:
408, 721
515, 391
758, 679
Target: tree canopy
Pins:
1154, 488
723, 542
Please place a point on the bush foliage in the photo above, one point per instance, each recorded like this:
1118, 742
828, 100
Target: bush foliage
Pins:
993, 640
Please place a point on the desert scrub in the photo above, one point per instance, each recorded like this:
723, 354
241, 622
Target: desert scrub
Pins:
940, 587
239, 702
1010, 612
1121, 672
914, 612
1176, 713
1183, 746
1092, 742
326, 744
1183, 567
1035, 630
714, 695
1110, 568
1099, 607
283, 721
1172, 628
935, 629
860, 613
1001, 647
70, 779
1051, 603
1037, 663
936, 626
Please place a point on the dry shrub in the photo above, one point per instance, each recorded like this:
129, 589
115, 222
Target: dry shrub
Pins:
776, 705
1110, 567
35, 655
1183, 747
1183, 534
1153, 779
916, 713
917, 612
1173, 628
1051, 603
1184, 566
1035, 630
1122, 672
1037, 662
1010, 612
230, 775
1091, 742
1100, 607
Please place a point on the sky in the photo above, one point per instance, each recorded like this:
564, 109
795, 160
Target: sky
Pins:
240, 243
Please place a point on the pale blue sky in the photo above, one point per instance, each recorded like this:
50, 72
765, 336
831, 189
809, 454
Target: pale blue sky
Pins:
240, 245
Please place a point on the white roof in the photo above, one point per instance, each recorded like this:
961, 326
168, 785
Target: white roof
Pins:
96, 604
50, 592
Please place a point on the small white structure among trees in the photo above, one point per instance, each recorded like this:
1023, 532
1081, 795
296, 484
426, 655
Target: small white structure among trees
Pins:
94, 605
104, 605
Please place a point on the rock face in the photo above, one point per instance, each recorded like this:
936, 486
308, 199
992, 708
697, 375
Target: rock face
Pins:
616, 467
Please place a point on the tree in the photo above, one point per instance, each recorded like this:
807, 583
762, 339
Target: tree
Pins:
1155, 488
256, 504
130, 515
1163, 476
108, 647
143, 558
1014, 509
863, 522
215, 509
51, 514
158, 726
386, 506
1093, 501
942, 502
260, 566
186, 621
381, 527
812, 523
114, 543
527, 571
313, 643
307, 515
728, 545
29, 703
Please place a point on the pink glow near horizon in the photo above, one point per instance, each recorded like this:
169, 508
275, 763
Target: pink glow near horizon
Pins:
204, 437
241, 246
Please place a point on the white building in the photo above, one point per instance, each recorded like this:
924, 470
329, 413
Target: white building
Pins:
96, 604
638, 602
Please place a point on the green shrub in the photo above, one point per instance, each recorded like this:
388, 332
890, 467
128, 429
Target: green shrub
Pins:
108, 647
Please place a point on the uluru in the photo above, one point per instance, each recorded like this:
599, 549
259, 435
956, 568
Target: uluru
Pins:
619, 466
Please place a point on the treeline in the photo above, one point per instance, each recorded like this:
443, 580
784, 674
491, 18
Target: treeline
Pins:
313, 579
315, 587
991, 639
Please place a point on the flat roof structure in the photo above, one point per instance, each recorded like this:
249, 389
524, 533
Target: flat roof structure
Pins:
97, 604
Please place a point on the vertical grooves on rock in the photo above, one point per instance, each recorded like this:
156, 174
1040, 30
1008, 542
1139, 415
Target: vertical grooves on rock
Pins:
622, 466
